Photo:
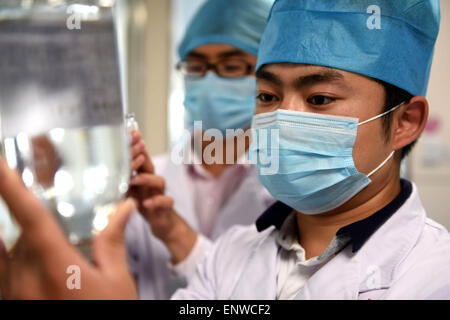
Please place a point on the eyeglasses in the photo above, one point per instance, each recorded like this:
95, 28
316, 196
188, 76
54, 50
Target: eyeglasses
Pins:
230, 68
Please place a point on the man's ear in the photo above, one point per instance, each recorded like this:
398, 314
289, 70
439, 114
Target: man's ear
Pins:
409, 121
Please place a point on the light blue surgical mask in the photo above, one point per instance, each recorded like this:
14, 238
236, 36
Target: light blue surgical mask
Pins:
221, 103
315, 172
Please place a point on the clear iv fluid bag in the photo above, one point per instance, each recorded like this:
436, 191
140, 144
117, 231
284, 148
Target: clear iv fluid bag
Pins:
62, 118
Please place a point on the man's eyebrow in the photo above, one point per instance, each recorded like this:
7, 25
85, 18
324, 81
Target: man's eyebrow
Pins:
323, 76
265, 75
231, 53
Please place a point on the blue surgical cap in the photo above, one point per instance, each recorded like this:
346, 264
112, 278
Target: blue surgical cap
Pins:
389, 40
239, 23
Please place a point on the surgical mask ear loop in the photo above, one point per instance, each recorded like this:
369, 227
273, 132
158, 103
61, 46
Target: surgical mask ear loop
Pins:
382, 114
382, 164
392, 153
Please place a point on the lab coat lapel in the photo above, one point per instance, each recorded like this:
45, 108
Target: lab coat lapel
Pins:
258, 279
390, 245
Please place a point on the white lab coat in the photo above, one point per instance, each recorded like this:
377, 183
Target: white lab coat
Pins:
408, 257
148, 257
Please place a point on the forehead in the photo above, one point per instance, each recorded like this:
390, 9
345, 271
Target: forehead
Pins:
299, 76
292, 71
218, 50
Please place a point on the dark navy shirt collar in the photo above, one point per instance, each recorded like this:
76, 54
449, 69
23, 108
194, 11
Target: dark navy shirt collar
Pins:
359, 231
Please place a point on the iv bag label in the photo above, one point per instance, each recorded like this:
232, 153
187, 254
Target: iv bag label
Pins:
55, 77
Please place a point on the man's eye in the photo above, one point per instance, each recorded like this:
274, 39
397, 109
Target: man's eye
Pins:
319, 100
197, 68
265, 97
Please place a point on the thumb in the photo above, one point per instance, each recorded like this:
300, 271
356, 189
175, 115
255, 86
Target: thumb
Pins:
35, 221
115, 230
110, 243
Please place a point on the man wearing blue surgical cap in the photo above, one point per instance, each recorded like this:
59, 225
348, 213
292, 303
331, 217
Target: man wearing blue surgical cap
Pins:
341, 88
218, 59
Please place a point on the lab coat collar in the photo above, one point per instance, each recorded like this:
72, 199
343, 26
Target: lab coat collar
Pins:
375, 265
371, 268
273, 216
359, 231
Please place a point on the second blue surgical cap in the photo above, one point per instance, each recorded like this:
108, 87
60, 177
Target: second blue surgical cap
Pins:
239, 23
390, 40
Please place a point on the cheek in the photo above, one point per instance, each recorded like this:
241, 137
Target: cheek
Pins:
370, 147
259, 109
263, 109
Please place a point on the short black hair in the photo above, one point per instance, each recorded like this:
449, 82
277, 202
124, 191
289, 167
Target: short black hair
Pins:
393, 97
